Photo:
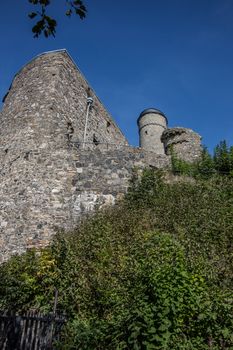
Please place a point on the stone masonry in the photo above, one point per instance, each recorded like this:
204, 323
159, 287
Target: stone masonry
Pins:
183, 142
48, 177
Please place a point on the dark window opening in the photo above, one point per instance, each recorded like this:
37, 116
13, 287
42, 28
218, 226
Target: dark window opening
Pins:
146, 132
70, 130
95, 140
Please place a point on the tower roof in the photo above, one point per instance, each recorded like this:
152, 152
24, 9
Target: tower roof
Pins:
151, 111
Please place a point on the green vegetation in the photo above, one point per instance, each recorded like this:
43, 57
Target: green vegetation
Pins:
46, 24
152, 272
221, 163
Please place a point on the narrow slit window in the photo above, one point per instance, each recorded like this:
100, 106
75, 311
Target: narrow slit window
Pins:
95, 140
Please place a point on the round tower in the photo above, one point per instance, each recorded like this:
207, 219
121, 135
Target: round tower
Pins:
184, 143
151, 124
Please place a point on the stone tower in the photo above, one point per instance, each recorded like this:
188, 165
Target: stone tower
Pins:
43, 117
183, 142
152, 123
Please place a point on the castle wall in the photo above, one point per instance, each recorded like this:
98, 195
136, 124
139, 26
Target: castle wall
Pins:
102, 177
34, 197
183, 142
46, 106
47, 179
43, 114
44, 191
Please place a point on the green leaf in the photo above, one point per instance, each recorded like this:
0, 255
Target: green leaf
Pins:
32, 15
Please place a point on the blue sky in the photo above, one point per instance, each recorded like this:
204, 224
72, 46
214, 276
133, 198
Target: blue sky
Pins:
175, 55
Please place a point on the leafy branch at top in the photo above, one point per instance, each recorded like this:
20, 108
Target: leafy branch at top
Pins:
46, 24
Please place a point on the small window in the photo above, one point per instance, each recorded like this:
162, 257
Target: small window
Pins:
146, 132
95, 140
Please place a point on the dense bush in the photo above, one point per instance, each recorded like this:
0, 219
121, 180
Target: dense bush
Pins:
153, 272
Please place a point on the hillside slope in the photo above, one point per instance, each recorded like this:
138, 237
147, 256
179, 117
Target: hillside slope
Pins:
153, 272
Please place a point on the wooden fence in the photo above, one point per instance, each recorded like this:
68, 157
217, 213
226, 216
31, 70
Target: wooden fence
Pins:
31, 331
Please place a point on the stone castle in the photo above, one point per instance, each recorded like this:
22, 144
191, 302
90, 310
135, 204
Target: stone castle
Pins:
61, 153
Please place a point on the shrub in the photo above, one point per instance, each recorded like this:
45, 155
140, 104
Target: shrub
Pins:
153, 272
